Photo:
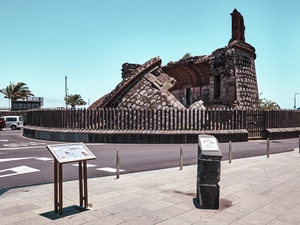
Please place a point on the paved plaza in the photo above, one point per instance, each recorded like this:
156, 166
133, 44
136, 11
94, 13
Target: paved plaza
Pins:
256, 190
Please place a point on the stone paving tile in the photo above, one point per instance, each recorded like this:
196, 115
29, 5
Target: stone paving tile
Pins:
166, 213
239, 222
19, 208
144, 219
104, 203
157, 205
108, 211
277, 222
46, 208
284, 177
81, 218
108, 220
185, 205
7, 202
131, 214
108, 195
35, 220
173, 221
15, 218
194, 215
228, 216
234, 188
156, 197
130, 189
175, 198
291, 216
210, 221
258, 217
134, 203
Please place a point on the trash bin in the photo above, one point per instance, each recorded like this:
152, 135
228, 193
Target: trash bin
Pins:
208, 172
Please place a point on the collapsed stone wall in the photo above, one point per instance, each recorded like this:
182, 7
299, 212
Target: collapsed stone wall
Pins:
149, 93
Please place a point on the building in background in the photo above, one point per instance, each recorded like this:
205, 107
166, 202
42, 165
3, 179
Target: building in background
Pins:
29, 103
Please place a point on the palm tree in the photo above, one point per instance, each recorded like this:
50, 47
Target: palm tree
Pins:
16, 91
74, 100
265, 104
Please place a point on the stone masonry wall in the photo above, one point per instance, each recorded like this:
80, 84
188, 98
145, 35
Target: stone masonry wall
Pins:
144, 95
238, 84
246, 82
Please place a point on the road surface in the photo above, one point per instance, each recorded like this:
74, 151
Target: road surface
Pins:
25, 161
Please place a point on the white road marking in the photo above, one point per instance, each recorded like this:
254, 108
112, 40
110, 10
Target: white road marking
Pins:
18, 170
14, 159
29, 147
37, 143
3, 140
109, 169
44, 159
23, 144
87, 165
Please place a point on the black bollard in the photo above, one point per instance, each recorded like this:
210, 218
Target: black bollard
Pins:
209, 169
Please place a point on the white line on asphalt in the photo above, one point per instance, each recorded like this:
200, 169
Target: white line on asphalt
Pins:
44, 159
18, 170
2, 149
3, 140
109, 169
15, 159
87, 165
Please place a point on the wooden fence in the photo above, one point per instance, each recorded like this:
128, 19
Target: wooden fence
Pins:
255, 121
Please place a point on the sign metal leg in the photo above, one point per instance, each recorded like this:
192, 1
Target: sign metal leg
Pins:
60, 190
55, 187
80, 183
85, 184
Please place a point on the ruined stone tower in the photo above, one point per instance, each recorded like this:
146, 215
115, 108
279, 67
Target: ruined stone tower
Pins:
225, 78
238, 27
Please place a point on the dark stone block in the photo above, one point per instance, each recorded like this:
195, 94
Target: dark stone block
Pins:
208, 196
208, 172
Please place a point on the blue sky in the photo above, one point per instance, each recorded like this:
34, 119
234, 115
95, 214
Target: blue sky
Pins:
42, 41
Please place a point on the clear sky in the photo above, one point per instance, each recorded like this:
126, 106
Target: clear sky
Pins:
42, 41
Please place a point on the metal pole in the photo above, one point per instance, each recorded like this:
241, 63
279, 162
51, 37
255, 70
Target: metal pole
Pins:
118, 164
295, 100
268, 148
230, 151
85, 184
55, 186
60, 190
66, 89
80, 183
181, 157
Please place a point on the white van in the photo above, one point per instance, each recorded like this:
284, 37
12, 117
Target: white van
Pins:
13, 122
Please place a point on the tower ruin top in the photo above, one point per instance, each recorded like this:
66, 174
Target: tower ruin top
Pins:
237, 27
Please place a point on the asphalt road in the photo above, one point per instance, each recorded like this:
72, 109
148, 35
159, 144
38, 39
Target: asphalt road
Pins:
25, 161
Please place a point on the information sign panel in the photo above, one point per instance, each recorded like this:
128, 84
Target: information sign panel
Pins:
71, 152
209, 144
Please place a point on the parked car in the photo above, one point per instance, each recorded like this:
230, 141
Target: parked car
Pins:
2, 123
13, 122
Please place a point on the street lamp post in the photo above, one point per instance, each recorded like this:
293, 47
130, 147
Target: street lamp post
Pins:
66, 90
295, 100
